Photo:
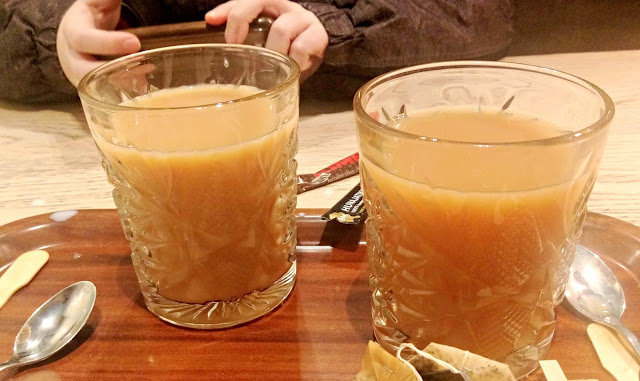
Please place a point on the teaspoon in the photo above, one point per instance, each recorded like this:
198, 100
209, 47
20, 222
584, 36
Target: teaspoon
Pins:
594, 291
53, 325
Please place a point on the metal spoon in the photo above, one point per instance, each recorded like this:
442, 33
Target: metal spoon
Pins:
594, 291
53, 325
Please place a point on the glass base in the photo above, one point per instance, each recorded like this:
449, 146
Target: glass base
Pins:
222, 314
526, 360
522, 362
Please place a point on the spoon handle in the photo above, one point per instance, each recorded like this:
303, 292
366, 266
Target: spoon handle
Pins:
626, 332
8, 365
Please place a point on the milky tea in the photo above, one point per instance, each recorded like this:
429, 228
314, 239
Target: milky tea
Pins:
472, 227
204, 178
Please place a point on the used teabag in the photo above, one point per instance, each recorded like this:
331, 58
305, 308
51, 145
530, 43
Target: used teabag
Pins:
435, 363
427, 366
476, 367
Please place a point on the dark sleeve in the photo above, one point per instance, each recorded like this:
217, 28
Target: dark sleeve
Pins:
370, 37
374, 34
28, 59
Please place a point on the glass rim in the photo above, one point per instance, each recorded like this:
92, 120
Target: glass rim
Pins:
292, 77
583, 133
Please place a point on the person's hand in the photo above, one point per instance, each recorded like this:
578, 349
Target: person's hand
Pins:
295, 31
87, 31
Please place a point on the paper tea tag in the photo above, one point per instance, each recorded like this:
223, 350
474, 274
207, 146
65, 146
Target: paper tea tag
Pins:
21, 272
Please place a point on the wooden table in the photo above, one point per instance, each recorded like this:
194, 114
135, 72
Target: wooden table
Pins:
48, 160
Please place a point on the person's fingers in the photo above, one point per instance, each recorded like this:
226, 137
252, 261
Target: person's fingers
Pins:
83, 36
86, 30
105, 13
308, 49
295, 31
239, 18
219, 14
104, 6
284, 30
245, 11
78, 65
102, 42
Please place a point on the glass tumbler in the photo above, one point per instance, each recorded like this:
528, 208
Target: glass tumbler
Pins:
471, 235
199, 144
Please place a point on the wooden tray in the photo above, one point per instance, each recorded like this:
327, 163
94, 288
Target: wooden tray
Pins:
319, 333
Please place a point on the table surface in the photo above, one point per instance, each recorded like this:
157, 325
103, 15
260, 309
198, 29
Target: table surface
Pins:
48, 161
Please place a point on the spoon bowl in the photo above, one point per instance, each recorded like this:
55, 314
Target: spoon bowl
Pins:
595, 292
53, 325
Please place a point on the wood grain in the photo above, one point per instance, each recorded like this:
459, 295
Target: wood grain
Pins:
319, 333
48, 160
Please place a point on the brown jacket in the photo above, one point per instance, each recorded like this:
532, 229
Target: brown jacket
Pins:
366, 38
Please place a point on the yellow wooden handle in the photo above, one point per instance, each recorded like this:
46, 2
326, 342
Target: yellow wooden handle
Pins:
613, 355
21, 272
